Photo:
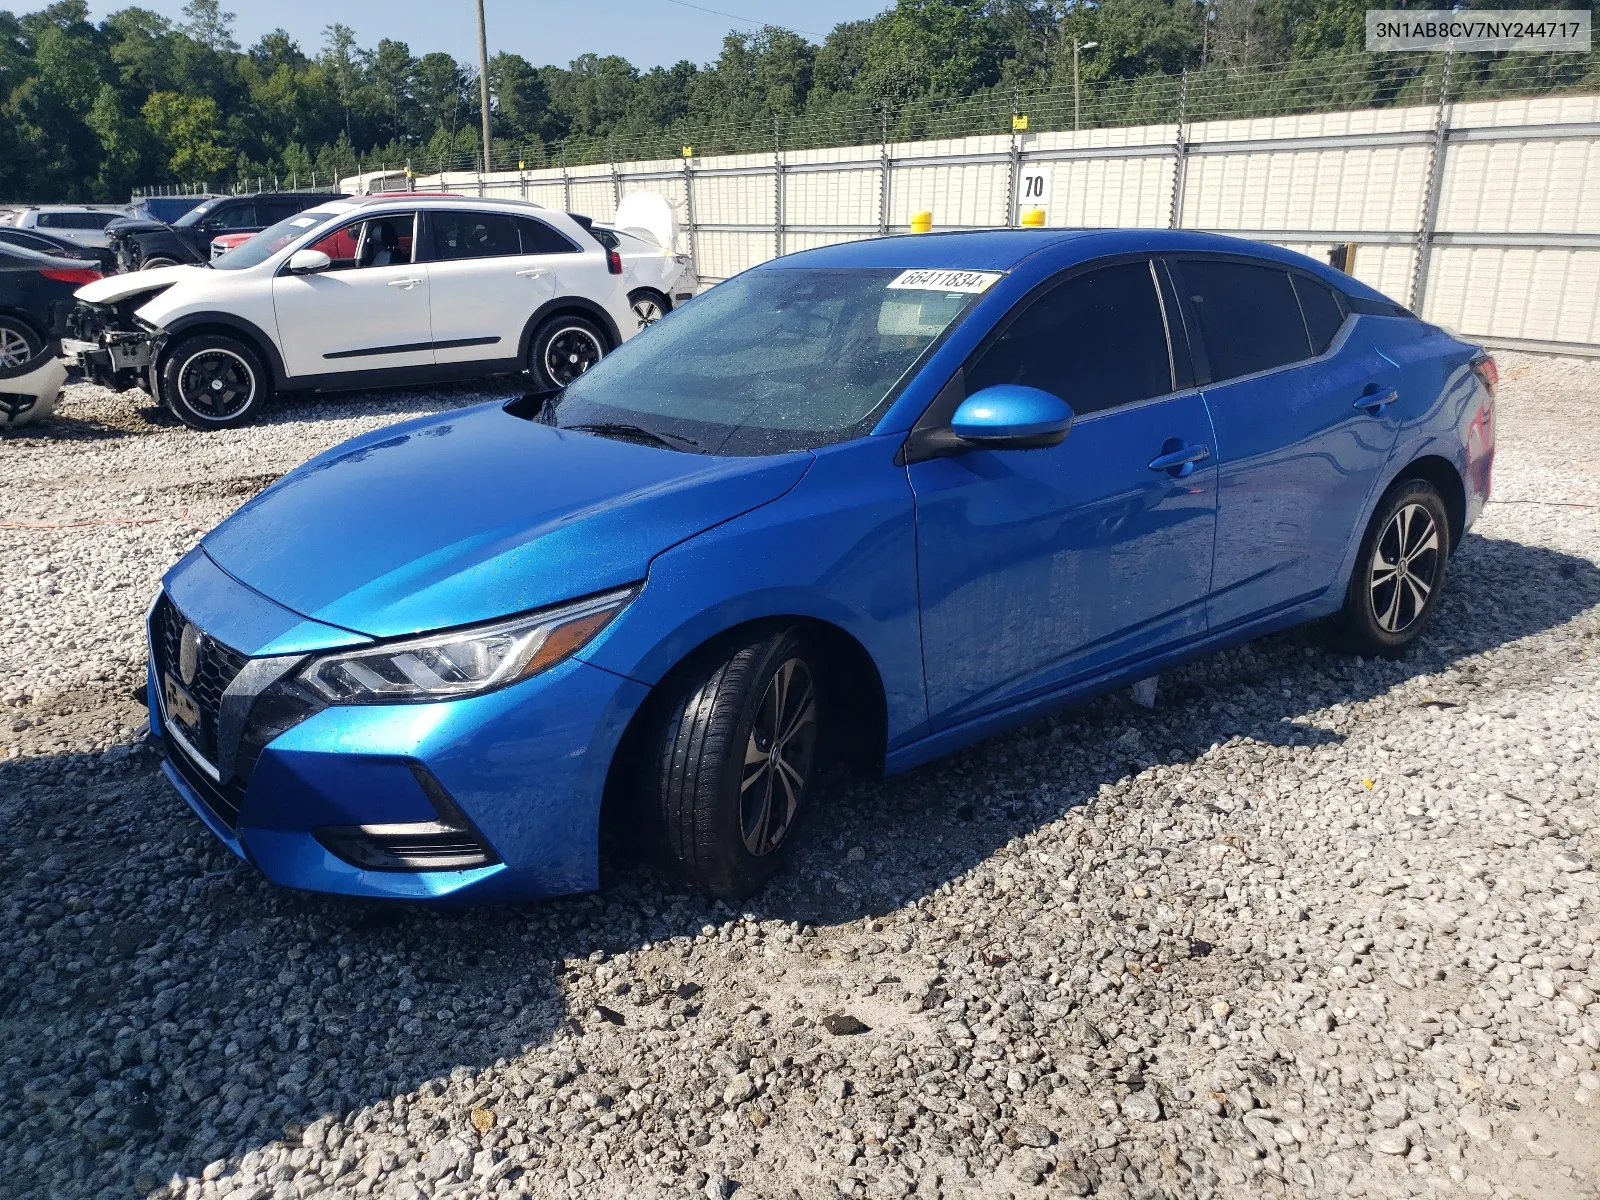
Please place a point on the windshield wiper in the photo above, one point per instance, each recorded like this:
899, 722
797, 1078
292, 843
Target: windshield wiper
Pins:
622, 429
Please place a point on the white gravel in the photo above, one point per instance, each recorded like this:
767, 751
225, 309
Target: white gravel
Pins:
1312, 926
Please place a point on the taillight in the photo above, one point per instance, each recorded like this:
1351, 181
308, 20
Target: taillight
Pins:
70, 274
613, 262
1485, 369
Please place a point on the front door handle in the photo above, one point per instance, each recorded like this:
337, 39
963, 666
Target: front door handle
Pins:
1181, 461
535, 272
406, 283
1375, 402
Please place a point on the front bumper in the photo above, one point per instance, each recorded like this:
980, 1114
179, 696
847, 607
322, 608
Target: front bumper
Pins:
117, 359
523, 769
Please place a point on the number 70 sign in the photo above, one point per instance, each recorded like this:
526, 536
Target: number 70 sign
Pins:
1033, 189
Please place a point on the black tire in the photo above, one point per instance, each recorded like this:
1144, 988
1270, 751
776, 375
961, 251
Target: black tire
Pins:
20, 342
727, 792
1399, 572
211, 381
564, 347
156, 263
648, 305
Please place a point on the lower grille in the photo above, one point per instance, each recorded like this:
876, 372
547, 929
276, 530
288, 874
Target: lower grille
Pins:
225, 800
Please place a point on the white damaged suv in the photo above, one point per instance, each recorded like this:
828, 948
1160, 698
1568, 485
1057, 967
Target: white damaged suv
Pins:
359, 293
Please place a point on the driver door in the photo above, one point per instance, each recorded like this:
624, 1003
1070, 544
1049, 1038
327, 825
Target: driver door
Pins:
1039, 567
368, 311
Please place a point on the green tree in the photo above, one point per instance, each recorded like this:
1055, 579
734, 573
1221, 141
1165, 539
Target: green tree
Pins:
190, 131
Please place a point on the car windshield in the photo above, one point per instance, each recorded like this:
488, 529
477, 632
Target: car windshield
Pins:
197, 214
773, 360
262, 246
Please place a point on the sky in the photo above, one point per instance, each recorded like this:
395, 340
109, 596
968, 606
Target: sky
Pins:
646, 32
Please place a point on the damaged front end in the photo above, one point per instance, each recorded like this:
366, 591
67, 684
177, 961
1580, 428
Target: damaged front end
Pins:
111, 346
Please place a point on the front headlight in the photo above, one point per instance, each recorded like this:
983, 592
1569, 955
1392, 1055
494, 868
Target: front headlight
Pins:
464, 662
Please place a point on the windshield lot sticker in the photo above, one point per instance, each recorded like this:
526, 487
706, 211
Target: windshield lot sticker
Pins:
926, 280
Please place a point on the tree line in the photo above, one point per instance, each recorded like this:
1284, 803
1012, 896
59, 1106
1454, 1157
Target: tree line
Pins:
90, 111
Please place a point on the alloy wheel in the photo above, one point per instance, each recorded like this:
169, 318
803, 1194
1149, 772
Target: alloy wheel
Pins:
569, 354
14, 348
1404, 568
648, 311
217, 384
778, 757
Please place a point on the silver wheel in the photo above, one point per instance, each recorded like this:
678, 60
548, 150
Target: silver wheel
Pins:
15, 348
1404, 568
648, 309
778, 757
216, 384
155, 264
569, 353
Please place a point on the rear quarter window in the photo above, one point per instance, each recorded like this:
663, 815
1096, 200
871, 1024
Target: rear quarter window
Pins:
1321, 308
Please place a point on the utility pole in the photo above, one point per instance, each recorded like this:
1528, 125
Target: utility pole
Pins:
1077, 111
483, 82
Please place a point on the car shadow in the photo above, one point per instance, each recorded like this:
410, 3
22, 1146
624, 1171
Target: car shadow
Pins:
204, 1012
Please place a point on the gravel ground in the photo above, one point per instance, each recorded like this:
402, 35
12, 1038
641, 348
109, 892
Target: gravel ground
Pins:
1312, 926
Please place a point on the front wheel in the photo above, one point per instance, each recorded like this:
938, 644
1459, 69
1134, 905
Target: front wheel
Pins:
1399, 572
563, 348
211, 381
732, 763
155, 264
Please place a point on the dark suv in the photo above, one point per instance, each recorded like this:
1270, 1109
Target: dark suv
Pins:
143, 244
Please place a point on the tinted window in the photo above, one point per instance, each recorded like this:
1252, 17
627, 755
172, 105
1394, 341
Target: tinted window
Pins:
52, 221
273, 211
1096, 341
539, 238
1322, 311
474, 235
606, 238
1249, 318
234, 216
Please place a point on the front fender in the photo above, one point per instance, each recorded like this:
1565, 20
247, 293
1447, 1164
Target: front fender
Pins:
840, 548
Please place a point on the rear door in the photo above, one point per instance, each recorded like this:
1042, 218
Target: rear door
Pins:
487, 273
368, 312
1305, 418
1039, 567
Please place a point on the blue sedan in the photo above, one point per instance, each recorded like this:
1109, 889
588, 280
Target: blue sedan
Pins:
868, 503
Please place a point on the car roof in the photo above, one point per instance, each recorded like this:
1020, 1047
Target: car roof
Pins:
1006, 249
78, 208
436, 200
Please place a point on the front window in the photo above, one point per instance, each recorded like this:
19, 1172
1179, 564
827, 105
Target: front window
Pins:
275, 237
773, 360
198, 213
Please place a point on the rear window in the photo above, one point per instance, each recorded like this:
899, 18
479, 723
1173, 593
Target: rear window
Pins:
539, 238
1322, 310
1248, 314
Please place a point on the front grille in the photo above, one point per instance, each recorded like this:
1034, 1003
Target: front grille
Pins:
216, 666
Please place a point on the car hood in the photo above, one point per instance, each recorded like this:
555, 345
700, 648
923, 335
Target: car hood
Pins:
474, 515
135, 283
135, 225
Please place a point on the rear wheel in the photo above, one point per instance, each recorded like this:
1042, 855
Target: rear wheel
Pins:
152, 264
731, 764
648, 305
19, 342
563, 348
211, 381
1399, 572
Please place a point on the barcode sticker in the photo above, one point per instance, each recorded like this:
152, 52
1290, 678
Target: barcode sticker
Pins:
942, 279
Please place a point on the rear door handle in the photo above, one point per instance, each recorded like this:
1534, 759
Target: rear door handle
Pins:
406, 283
535, 272
1180, 461
1377, 401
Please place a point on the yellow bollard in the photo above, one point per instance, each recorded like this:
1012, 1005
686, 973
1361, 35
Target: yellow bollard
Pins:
1033, 218
922, 222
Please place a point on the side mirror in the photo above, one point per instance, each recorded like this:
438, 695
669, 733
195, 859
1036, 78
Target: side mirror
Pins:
1009, 416
308, 262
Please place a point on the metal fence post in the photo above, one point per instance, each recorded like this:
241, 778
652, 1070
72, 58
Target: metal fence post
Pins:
616, 179
1013, 180
1430, 197
1180, 157
566, 181
883, 184
777, 187
688, 212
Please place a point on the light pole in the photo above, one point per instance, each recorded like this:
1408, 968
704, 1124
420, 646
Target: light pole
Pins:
483, 82
1076, 99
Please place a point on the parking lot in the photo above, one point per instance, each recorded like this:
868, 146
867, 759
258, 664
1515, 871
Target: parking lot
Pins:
1311, 926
